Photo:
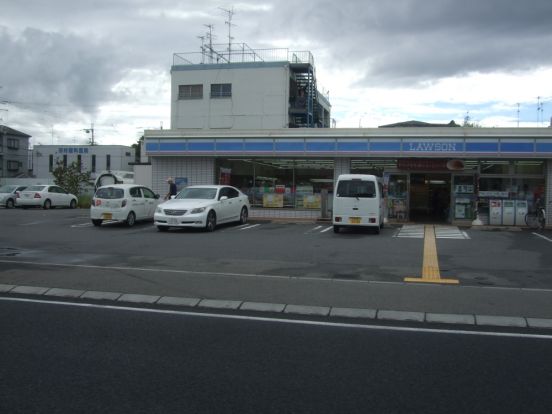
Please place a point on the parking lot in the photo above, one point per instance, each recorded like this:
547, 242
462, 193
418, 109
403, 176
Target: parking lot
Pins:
517, 258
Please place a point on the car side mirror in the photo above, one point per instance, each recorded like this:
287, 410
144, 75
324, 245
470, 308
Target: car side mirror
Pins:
223, 198
156, 196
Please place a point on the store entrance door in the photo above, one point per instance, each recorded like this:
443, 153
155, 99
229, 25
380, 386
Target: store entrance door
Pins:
429, 197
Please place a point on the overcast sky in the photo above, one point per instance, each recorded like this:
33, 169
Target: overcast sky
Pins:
65, 64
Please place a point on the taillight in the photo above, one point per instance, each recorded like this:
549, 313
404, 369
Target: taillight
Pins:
124, 203
37, 195
17, 194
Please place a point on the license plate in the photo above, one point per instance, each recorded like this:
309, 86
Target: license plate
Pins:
173, 221
107, 216
354, 220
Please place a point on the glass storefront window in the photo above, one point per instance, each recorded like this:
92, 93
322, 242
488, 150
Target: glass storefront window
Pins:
529, 167
464, 197
494, 167
279, 183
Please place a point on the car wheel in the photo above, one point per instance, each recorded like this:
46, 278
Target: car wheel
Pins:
131, 219
243, 215
336, 229
9, 203
73, 204
162, 228
211, 221
96, 223
47, 204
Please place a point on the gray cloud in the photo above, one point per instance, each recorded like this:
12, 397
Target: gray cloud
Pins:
410, 41
52, 68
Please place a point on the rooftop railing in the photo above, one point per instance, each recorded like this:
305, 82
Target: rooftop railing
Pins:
241, 53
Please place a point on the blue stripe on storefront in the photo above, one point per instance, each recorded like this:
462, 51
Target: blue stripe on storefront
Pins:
352, 146
321, 146
517, 147
290, 146
544, 147
152, 146
172, 146
229, 146
385, 146
201, 146
481, 146
259, 146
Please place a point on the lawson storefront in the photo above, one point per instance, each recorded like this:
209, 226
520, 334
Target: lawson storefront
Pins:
448, 175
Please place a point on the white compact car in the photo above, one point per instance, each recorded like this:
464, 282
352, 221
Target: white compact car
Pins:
203, 206
45, 196
123, 202
8, 194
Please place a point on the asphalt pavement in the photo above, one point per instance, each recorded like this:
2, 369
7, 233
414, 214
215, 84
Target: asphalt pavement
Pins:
500, 271
68, 358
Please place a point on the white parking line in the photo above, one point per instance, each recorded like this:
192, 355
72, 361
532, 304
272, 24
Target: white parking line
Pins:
82, 225
249, 227
326, 229
313, 230
543, 237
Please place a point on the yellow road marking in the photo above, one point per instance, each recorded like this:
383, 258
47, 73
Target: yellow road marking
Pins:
430, 266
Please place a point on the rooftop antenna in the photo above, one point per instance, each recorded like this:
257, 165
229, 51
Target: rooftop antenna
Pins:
209, 35
518, 114
202, 48
230, 13
538, 110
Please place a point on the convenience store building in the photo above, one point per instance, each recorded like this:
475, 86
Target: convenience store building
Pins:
440, 174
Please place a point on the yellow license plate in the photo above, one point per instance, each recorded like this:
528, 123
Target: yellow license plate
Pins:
107, 216
354, 220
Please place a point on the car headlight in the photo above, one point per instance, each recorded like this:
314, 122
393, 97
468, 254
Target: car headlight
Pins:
198, 210
159, 210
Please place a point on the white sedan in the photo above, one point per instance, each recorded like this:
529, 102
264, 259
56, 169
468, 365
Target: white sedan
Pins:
203, 206
123, 202
8, 194
45, 196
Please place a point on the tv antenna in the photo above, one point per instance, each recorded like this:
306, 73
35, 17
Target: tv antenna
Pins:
230, 13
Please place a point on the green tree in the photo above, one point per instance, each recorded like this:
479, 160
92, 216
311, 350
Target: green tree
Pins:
71, 178
138, 148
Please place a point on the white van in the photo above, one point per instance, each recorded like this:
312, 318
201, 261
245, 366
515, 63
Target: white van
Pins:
358, 202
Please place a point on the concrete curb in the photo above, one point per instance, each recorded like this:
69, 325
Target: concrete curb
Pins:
289, 309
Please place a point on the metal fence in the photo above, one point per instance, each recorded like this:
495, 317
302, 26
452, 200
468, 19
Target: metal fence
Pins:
241, 53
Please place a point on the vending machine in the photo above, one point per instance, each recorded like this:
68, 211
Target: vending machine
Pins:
521, 212
508, 212
495, 212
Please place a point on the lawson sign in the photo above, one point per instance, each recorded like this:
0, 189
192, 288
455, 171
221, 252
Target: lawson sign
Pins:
433, 146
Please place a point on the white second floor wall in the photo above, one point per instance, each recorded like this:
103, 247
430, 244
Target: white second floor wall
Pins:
259, 96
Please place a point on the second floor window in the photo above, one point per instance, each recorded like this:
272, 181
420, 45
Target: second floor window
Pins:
221, 90
13, 143
190, 91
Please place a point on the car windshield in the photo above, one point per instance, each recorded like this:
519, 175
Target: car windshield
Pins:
356, 188
35, 188
110, 193
198, 193
7, 188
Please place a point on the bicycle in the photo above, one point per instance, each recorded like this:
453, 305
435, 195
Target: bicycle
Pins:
536, 219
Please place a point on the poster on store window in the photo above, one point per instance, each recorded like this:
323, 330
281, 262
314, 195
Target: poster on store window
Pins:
273, 200
225, 175
311, 201
181, 183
